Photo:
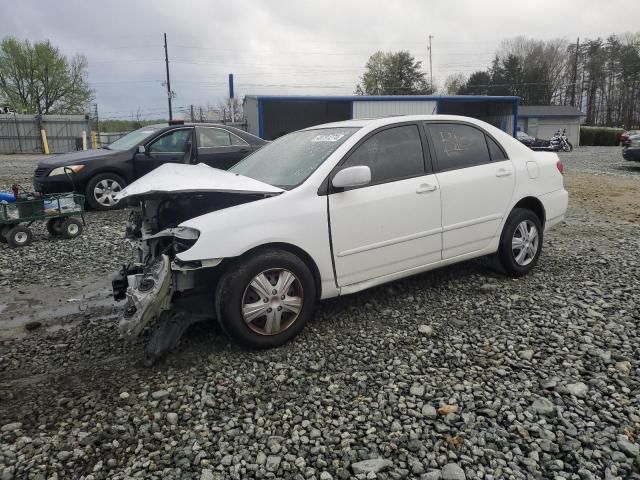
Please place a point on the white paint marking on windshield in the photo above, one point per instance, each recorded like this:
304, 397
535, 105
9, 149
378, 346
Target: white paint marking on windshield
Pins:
334, 137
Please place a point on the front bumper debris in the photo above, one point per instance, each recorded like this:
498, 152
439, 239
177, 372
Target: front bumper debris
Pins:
148, 295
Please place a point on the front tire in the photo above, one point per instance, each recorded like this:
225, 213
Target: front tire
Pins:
520, 242
265, 300
19, 236
102, 189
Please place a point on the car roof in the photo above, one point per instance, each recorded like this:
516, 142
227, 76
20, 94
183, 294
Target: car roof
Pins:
238, 131
380, 122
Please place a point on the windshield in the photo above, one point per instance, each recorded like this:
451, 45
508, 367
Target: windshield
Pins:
132, 139
288, 161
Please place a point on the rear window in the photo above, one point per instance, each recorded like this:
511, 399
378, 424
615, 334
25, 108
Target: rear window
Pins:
497, 154
458, 146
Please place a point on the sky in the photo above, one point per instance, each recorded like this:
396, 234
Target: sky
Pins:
284, 47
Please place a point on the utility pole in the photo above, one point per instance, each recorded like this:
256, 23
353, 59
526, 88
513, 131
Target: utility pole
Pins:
575, 75
191, 113
430, 65
166, 62
95, 106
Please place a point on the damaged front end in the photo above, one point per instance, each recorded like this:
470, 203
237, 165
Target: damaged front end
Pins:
158, 279
163, 293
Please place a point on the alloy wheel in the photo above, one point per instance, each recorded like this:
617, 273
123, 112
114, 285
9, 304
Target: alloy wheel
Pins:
105, 191
525, 243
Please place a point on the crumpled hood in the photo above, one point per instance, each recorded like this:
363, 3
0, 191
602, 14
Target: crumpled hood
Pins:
181, 178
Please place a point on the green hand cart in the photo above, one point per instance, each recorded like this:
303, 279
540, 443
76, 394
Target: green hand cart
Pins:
60, 211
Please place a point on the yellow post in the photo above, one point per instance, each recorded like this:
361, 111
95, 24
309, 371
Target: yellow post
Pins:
45, 144
94, 140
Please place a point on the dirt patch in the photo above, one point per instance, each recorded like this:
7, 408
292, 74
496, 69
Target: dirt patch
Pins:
612, 196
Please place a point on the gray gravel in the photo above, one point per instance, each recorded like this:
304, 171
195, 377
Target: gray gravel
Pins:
599, 160
530, 378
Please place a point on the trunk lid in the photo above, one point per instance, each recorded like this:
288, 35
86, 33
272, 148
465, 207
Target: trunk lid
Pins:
173, 178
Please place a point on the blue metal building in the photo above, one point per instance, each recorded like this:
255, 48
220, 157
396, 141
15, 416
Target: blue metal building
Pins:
271, 116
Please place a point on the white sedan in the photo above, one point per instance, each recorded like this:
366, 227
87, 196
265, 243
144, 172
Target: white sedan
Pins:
329, 211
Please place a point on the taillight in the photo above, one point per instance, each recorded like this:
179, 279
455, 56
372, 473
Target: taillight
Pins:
560, 167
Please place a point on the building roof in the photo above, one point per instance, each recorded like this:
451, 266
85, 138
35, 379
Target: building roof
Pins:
549, 111
456, 98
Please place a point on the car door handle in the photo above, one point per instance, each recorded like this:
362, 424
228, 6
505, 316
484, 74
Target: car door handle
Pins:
503, 172
426, 188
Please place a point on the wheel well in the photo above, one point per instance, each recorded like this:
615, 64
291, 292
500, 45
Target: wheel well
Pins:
535, 205
297, 251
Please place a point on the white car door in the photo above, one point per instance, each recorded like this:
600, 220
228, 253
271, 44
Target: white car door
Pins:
393, 224
476, 180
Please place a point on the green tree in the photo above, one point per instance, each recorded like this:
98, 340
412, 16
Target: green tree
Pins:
478, 84
393, 73
37, 78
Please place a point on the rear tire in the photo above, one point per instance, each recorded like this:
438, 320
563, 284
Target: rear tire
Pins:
71, 228
520, 242
19, 236
54, 226
276, 309
4, 231
101, 190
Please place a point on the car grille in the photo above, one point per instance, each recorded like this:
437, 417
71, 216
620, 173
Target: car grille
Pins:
40, 172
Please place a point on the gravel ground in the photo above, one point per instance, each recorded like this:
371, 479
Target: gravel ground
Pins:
600, 160
458, 373
100, 248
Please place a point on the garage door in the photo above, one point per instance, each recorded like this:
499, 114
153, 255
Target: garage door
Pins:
389, 108
548, 126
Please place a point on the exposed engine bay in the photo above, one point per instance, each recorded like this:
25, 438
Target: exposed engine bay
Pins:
158, 288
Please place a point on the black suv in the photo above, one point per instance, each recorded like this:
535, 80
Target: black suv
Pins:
100, 174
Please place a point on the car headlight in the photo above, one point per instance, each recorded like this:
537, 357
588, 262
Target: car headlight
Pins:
635, 142
65, 170
184, 238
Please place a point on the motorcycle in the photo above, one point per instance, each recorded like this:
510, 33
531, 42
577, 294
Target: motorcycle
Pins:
558, 142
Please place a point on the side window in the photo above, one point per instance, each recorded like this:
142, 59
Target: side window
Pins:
236, 141
172, 142
213, 137
497, 154
392, 154
458, 146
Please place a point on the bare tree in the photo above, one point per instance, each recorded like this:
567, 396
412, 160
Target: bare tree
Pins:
455, 83
226, 104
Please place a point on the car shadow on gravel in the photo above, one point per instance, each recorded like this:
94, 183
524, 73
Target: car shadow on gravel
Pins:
91, 357
207, 338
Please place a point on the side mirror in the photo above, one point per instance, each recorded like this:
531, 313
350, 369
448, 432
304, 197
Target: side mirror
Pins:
352, 177
141, 149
